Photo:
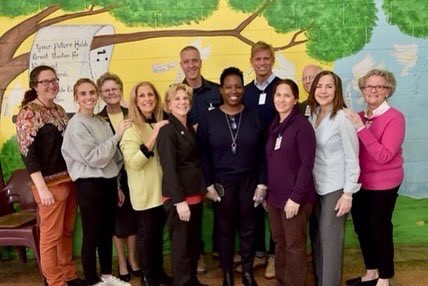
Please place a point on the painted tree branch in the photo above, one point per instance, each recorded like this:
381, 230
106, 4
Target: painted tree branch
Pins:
11, 67
66, 17
293, 42
10, 71
13, 38
104, 40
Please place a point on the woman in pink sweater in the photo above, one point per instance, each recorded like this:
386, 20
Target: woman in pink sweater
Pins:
381, 131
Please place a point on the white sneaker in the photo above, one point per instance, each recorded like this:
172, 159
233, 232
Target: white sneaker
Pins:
110, 280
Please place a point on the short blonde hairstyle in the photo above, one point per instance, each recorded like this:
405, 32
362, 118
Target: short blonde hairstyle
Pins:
387, 76
172, 91
259, 46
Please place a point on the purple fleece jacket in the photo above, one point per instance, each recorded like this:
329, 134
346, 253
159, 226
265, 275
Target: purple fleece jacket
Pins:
290, 165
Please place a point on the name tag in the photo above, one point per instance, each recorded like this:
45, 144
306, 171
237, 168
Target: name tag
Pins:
278, 142
307, 111
262, 98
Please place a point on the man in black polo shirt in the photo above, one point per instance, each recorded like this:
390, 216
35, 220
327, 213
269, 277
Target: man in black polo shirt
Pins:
206, 97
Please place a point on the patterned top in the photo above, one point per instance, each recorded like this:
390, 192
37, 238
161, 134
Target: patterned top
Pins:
40, 131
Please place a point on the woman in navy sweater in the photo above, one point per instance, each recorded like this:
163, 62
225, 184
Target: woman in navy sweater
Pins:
290, 154
231, 144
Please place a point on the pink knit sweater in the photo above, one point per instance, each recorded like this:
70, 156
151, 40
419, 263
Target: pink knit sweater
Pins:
381, 159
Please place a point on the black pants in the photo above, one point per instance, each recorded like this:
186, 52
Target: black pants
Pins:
185, 244
97, 199
372, 215
260, 234
150, 225
236, 211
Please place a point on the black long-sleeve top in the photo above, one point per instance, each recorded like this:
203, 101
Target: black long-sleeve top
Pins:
215, 141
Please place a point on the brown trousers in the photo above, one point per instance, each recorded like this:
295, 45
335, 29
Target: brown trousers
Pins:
56, 234
290, 244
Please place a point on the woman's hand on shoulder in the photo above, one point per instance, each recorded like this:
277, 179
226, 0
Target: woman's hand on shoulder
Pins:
123, 125
354, 117
160, 124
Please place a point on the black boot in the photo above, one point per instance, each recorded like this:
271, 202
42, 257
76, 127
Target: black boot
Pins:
148, 281
228, 279
248, 279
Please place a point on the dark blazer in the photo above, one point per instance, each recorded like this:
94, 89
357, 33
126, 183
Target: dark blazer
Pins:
182, 176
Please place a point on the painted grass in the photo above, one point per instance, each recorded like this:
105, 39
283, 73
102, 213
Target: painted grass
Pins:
410, 226
410, 223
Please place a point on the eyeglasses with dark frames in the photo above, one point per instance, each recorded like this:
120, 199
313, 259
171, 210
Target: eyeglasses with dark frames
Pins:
375, 87
46, 82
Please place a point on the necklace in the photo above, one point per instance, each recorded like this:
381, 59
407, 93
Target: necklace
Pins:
233, 146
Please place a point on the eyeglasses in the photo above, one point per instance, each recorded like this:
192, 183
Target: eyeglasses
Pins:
107, 91
375, 87
46, 82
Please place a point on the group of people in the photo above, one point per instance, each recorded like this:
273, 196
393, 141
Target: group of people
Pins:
250, 149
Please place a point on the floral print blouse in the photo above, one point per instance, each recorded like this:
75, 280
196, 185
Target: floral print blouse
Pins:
40, 131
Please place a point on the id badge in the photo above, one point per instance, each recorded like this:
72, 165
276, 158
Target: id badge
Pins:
262, 98
307, 111
278, 143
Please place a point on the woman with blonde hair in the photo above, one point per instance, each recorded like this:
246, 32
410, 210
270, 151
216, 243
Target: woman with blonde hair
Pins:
381, 130
182, 185
145, 180
94, 162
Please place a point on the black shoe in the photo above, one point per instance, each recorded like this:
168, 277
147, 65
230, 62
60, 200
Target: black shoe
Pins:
164, 279
148, 281
76, 282
368, 283
248, 279
228, 279
353, 281
135, 273
126, 277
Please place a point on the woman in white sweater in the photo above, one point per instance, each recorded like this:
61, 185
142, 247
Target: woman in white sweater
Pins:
93, 162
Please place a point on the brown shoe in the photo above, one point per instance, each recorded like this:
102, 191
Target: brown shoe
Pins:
270, 268
202, 266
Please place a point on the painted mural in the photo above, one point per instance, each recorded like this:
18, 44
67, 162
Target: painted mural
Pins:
141, 40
